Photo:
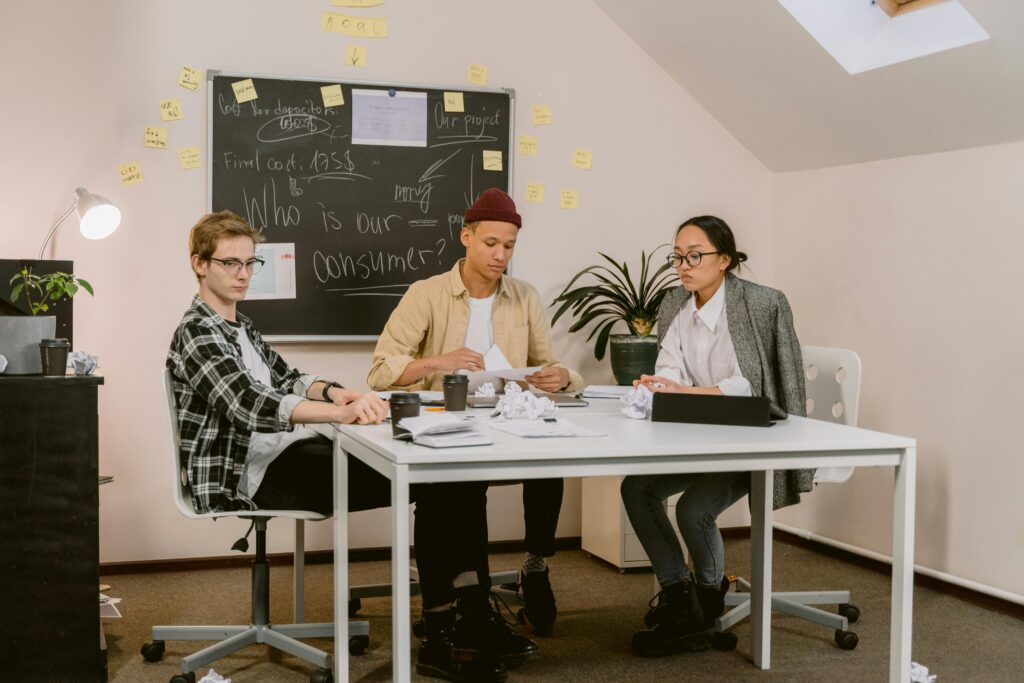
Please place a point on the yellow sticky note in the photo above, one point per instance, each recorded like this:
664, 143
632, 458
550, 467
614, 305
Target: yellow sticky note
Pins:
541, 114
155, 137
170, 110
355, 55
477, 74
188, 157
535, 192
245, 91
131, 173
582, 158
358, 27
332, 95
528, 145
570, 199
453, 102
357, 3
492, 160
190, 78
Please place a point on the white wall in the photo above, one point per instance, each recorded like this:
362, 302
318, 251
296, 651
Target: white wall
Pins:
87, 78
914, 263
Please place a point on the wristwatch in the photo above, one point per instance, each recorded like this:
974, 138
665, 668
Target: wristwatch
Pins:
327, 388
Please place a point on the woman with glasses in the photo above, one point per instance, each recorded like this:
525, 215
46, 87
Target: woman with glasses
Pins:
719, 335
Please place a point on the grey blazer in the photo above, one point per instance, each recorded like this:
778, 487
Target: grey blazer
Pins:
768, 352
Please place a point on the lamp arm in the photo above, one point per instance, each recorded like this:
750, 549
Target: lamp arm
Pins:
54, 228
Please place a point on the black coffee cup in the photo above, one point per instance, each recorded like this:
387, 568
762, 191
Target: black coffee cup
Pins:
54, 356
403, 405
456, 388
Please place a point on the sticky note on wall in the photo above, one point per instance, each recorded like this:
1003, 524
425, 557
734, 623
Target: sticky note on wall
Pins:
453, 102
155, 137
188, 157
245, 91
358, 27
333, 97
528, 145
541, 114
355, 55
570, 199
477, 74
357, 3
170, 110
190, 78
131, 173
492, 160
582, 158
535, 192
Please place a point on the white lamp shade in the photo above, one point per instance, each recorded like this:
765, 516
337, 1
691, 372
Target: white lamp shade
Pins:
97, 216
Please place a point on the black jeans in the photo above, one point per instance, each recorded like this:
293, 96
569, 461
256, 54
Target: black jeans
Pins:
450, 532
542, 501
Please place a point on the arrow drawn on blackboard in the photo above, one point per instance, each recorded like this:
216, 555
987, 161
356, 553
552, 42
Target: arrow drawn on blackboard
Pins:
429, 174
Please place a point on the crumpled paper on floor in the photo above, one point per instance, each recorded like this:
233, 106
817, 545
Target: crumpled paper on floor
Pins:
638, 403
213, 677
517, 404
919, 674
82, 363
485, 390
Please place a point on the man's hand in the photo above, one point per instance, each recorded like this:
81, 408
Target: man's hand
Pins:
368, 408
459, 359
549, 379
343, 397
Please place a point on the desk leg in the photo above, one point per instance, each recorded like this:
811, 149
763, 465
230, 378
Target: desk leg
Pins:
902, 567
340, 564
400, 626
762, 486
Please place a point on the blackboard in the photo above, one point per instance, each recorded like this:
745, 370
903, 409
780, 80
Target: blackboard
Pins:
371, 193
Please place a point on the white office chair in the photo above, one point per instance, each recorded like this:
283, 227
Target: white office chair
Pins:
280, 636
833, 391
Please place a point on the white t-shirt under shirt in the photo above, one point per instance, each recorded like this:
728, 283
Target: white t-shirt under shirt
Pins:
264, 447
697, 350
480, 337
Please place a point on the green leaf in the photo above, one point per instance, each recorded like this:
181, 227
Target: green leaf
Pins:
16, 292
86, 286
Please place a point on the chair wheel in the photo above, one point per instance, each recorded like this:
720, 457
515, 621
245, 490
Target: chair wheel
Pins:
846, 640
849, 611
152, 652
354, 605
357, 645
724, 641
418, 628
323, 675
190, 677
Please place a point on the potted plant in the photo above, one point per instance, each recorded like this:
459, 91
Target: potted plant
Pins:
614, 297
20, 335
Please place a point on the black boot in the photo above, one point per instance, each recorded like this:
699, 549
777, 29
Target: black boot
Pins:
712, 600
539, 601
434, 658
678, 624
481, 630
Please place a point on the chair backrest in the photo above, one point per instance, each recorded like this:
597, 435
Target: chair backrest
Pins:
833, 391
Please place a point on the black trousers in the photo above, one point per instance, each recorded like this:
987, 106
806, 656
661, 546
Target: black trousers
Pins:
450, 532
542, 502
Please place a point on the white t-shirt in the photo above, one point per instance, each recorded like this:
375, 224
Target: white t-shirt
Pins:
263, 447
480, 337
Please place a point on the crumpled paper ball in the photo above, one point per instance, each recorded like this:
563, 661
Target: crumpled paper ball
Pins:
3, 364
82, 363
485, 390
214, 677
638, 403
523, 405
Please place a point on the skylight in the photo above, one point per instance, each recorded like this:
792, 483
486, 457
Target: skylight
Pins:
862, 35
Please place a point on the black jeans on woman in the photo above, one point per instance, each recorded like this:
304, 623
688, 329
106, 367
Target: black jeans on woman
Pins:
450, 533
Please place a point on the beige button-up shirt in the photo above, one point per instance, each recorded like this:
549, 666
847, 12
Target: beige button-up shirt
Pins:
431, 320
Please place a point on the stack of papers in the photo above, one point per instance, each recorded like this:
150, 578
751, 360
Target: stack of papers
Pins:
445, 430
606, 391
543, 428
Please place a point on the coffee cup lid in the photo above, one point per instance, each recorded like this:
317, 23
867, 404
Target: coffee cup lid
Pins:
405, 397
456, 378
54, 342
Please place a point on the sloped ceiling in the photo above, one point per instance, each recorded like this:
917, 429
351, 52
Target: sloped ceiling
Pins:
763, 77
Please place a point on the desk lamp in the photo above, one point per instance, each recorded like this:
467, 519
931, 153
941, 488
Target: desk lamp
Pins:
97, 217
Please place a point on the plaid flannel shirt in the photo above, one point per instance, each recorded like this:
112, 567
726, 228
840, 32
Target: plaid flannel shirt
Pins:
220, 404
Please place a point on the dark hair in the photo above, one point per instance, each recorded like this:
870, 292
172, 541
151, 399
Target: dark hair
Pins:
720, 235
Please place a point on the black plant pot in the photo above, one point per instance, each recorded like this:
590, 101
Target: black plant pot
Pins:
632, 356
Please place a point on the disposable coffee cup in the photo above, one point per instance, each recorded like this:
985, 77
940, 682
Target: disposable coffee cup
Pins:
403, 405
456, 387
53, 355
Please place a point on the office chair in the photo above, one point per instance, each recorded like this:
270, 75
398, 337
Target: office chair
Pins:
281, 636
833, 391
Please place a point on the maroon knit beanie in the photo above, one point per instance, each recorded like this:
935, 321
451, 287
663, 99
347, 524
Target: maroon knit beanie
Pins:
493, 205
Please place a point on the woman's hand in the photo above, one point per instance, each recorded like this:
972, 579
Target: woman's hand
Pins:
368, 408
657, 383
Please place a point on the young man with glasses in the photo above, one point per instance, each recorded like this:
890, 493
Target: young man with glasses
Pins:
447, 323
242, 415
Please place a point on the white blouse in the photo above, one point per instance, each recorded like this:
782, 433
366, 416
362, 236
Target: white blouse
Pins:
697, 350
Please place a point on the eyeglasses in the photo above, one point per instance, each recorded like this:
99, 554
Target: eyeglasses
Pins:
692, 258
234, 266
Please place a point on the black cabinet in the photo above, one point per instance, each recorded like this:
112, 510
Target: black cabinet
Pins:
49, 529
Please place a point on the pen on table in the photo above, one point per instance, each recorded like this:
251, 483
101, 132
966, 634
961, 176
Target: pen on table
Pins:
435, 410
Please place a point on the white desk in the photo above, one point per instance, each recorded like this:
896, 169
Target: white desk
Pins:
632, 447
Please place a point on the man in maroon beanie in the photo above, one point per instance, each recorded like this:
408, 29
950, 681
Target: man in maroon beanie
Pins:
447, 323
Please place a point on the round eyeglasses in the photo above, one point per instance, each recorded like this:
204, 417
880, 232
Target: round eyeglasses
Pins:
692, 258
233, 266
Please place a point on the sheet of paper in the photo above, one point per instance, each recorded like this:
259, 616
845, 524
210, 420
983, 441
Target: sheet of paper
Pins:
582, 158
170, 110
569, 199
606, 391
155, 137
131, 173
477, 74
453, 102
276, 280
355, 55
543, 428
528, 145
535, 192
541, 114
357, 27
245, 91
389, 117
188, 157
494, 359
513, 374
332, 95
492, 160
190, 78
